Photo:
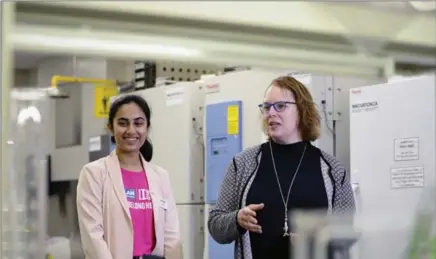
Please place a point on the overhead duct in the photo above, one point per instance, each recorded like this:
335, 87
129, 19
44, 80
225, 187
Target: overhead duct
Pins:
317, 37
424, 6
57, 79
46, 39
263, 35
59, 93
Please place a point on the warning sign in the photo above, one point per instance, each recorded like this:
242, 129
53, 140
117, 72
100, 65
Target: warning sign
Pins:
102, 97
233, 120
407, 177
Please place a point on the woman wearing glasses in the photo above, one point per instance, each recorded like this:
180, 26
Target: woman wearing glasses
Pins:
265, 182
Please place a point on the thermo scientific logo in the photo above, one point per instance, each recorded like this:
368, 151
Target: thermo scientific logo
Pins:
213, 88
364, 106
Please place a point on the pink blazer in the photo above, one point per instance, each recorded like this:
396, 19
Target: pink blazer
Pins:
104, 217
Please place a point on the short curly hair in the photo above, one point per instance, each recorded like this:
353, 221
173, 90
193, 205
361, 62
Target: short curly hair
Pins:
309, 124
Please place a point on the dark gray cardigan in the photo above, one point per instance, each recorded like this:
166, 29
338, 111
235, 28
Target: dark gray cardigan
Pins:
237, 181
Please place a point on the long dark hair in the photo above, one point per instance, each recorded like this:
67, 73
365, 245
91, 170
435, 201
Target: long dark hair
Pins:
147, 148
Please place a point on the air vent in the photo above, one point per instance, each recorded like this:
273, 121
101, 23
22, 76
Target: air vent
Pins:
145, 74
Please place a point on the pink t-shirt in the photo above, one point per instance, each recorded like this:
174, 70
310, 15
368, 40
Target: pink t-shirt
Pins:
141, 211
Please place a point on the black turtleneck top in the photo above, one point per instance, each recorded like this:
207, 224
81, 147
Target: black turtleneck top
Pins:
308, 192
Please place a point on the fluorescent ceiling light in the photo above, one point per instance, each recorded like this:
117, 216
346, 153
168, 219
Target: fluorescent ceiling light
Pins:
425, 6
165, 47
106, 46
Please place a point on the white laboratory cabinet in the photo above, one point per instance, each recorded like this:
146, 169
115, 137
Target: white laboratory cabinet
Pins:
175, 132
392, 150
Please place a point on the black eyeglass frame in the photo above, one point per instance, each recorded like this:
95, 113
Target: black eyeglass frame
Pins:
262, 106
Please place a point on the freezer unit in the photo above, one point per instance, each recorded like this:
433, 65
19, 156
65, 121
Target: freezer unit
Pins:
223, 141
392, 147
191, 219
176, 135
175, 132
24, 189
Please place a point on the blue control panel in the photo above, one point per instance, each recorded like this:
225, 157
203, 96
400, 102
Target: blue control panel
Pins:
223, 142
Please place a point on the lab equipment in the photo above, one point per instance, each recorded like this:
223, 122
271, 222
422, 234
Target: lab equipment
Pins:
59, 248
76, 118
422, 242
333, 236
25, 190
392, 140
176, 135
100, 146
322, 236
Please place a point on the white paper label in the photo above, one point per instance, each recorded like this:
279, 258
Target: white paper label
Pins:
406, 149
174, 96
94, 144
407, 177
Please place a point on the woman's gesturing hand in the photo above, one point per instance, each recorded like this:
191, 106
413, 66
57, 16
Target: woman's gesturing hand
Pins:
247, 217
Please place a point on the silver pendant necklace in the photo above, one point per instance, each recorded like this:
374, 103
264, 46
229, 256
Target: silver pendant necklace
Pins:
285, 202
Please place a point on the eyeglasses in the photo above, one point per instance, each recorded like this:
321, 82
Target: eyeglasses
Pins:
278, 106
